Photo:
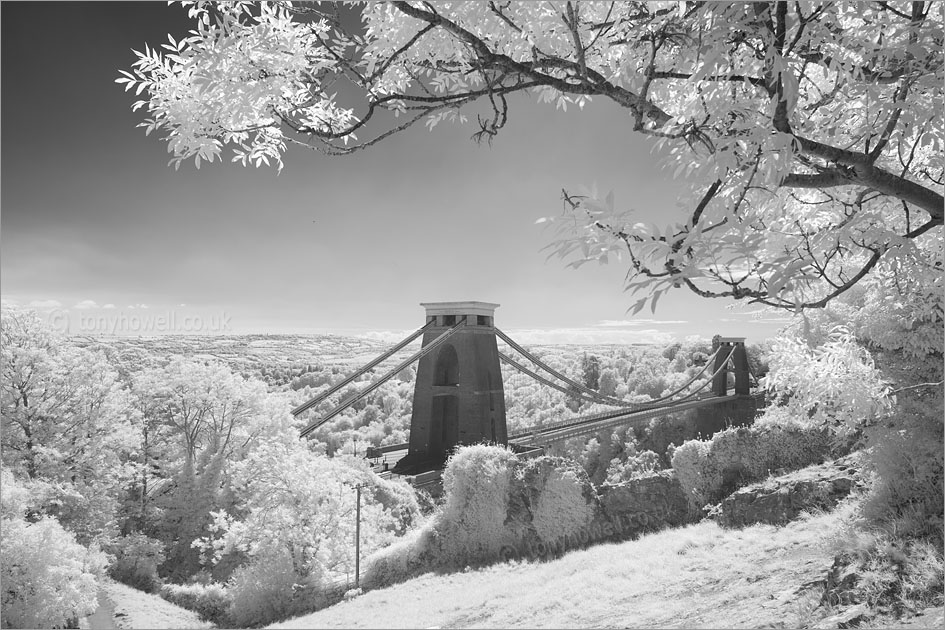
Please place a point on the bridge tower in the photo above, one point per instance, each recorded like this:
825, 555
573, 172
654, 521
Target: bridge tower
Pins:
458, 396
740, 358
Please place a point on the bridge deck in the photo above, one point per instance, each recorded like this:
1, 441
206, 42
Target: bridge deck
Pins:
582, 426
388, 456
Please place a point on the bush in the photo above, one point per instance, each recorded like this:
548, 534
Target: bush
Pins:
49, 580
408, 557
476, 483
136, 561
494, 502
906, 458
885, 571
266, 590
711, 469
560, 507
637, 465
210, 601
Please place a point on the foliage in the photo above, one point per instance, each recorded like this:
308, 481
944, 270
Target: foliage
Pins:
906, 457
49, 579
811, 145
636, 464
886, 571
66, 421
835, 382
406, 558
137, 558
559, 505
608, 382
267, 590
590, 370
298, 517
210, 601
898, 319
200, 419
476, 483
15, 500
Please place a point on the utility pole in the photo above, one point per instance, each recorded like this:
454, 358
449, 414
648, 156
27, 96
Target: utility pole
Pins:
357, 539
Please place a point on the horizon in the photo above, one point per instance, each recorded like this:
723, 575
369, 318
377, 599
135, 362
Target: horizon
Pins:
146, 321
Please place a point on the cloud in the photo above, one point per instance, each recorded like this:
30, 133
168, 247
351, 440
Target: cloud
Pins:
591, 336
181, 305
386, 336
86, 304
132, 307
45, 304
8, 302
763, 315
624, 323
108, 306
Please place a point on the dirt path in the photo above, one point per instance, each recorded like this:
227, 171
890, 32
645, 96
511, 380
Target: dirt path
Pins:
104, 616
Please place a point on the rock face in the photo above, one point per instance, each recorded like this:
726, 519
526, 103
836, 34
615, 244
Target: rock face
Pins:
779, 500
554, 508
650, 503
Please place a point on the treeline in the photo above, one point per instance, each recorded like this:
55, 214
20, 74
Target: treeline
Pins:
169, 474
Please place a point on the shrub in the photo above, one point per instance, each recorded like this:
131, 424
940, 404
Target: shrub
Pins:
885, 571
906, 458
493, 501
137, 558
267, 590
210, 601
49, 580
637, 465
560, 507
408, 557
476, 483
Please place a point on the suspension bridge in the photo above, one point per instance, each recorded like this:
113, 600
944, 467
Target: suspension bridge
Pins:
459, 395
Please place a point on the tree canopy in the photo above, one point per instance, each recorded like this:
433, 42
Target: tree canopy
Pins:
808, 134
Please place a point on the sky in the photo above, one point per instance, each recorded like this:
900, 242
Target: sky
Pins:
101, 236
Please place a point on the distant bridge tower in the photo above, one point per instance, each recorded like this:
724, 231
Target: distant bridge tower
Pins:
740, 360
458, 396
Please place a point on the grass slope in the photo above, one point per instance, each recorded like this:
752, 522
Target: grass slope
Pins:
696, 576
137, 609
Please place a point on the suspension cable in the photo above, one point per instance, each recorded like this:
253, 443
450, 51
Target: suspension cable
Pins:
334, 388
383, 379
590, 393
538, 377
586, 390
712, 377
607, 415
692, 380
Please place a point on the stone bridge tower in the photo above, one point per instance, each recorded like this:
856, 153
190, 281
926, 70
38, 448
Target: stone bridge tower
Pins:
458, 397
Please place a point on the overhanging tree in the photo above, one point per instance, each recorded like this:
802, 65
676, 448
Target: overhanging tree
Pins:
808, 134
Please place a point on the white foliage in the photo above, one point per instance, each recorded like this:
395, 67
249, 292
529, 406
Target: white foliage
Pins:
300, 510
48, 578
835, 382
